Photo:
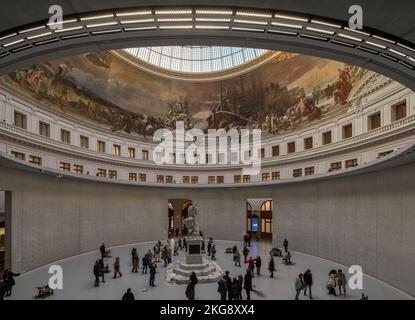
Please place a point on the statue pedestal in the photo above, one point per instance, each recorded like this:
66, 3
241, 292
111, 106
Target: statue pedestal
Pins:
194, 250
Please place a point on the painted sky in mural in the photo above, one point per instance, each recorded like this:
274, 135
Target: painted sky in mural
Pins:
289, 92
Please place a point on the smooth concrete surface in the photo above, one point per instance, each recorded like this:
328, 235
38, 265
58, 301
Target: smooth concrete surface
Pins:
365, 219
78, 280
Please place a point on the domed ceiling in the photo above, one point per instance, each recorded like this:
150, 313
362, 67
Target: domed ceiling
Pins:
287, 92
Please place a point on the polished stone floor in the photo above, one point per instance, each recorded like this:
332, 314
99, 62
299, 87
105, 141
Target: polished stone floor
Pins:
78, 280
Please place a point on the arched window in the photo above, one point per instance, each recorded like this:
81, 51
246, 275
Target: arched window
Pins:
267, 206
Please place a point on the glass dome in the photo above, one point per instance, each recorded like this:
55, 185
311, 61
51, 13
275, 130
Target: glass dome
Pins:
196, 59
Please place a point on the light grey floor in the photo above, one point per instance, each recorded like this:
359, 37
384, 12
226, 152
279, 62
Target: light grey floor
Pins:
78, 280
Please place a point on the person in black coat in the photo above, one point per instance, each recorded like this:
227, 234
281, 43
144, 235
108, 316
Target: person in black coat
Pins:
248, 284
285, 244
308, 282
3, 289
97, 273
128, 295
153, 267
258, 264
245, 252
190, 290
271, 266
102, 249
8, 278
209, 247
229, 287
145, 263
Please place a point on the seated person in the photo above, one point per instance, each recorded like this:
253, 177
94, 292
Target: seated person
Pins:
276, 252
44, 291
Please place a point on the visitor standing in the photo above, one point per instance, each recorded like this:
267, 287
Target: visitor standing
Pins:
145, 263
8, 278
102, 269
308, 282
271, 266
190, 290
237, 258
251, 265
97, 273
153, 268
128, 295
102, 249
331, 283
213, 252
285, 244
258, 264
240, 285
209, 247
117, 268
341, 282
299, 285
248, 284
136, 262
228, 281
222, 288
245, 252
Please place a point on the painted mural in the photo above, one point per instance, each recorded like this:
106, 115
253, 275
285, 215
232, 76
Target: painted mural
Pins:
289, 92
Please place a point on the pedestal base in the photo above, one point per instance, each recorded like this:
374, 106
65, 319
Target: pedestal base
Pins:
206, 271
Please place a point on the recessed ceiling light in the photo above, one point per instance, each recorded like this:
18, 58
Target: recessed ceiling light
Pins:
136, 21
68, 29
287, 25
133, 13
250, 22
375, 44
326, 23
105, 24
320, 30
101, 16
203, 11
349, 37
32, 29
13, 43
254, 14
282, 16
39, 35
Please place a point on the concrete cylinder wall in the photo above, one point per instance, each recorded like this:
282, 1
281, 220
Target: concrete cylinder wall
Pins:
367, 219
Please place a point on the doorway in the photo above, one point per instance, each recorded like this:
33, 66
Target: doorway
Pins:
259, 214
177, 212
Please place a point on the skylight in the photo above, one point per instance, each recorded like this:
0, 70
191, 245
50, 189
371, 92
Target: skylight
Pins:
196, 59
